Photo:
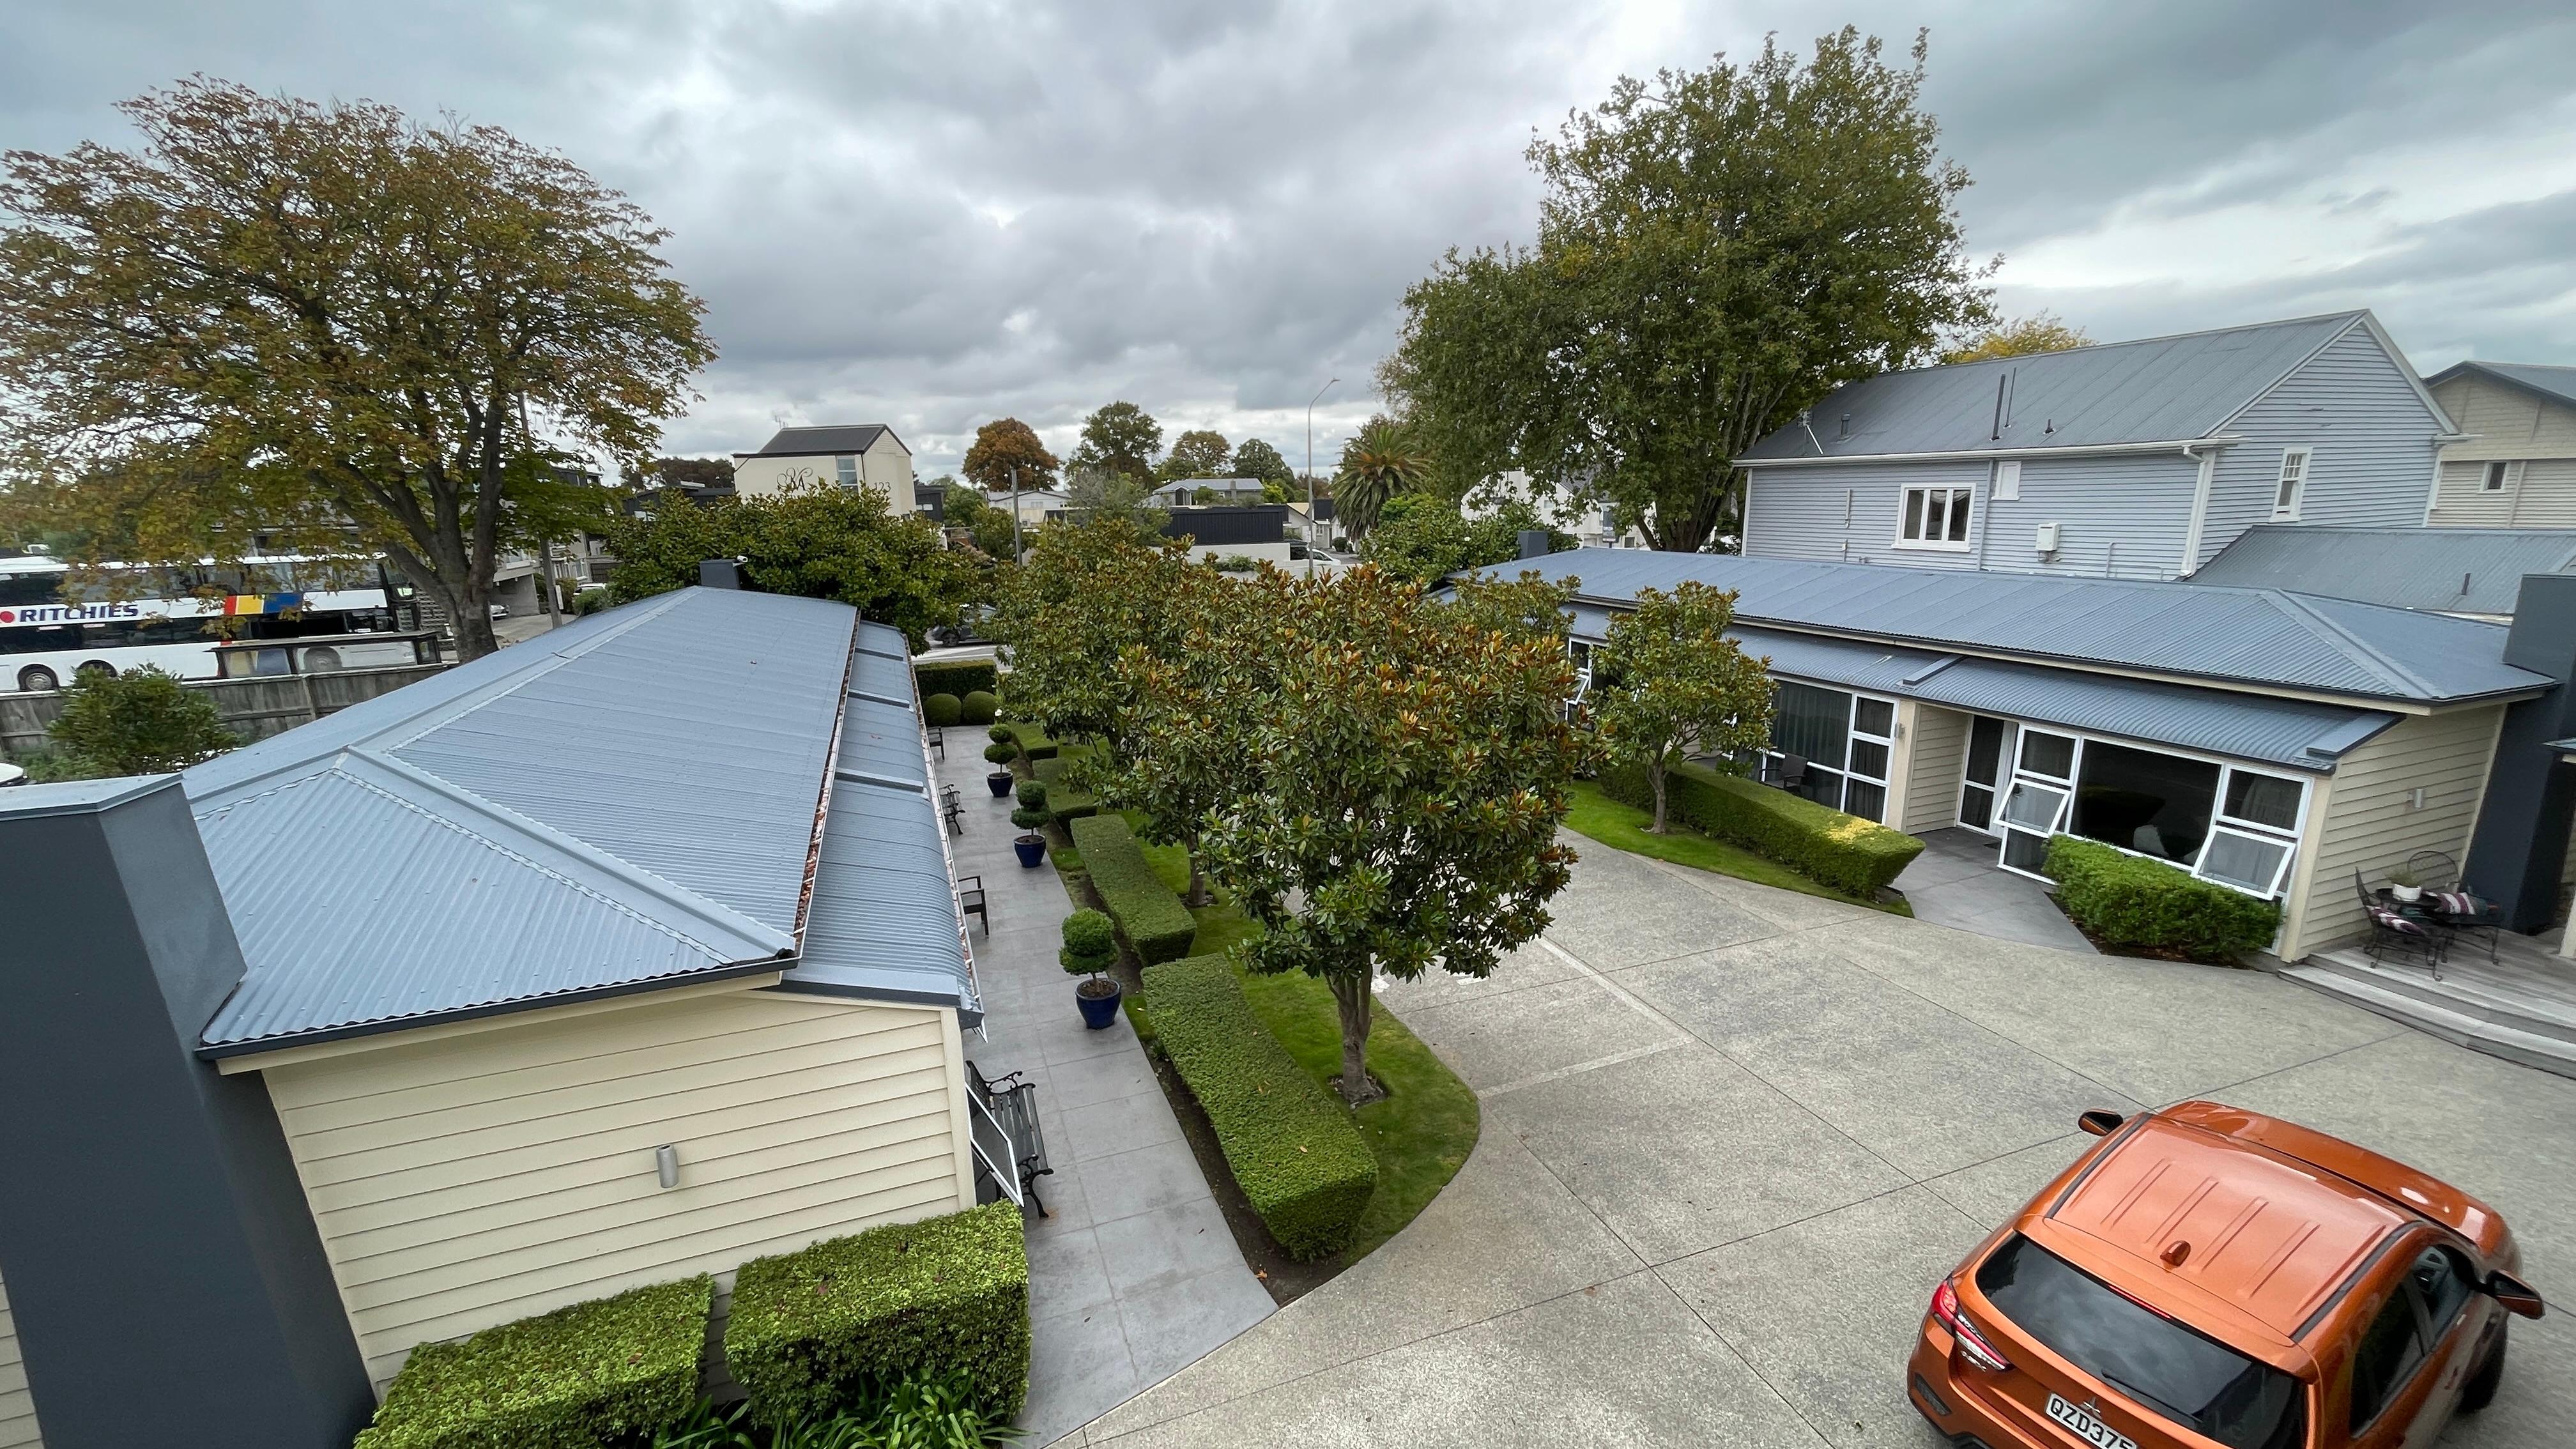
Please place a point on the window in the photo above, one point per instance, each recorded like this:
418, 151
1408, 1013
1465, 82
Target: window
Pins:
2155, 804
2388, 1352
2266, 800
2294, 482
846, 468
2190, 1379
1936, 518
2250, 863
2442, 1281
2047, 754
2008, 480
2492, 481
1845, 741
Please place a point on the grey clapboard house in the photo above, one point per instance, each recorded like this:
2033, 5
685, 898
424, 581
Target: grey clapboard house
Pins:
2127, 460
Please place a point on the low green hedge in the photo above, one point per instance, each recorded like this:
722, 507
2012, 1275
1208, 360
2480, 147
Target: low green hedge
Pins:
942, 709
1032, 738
1158, 926
1291, 1147
1064, 802
605, 1372
1825, 845
2129, 901
980, 706
832, 1325
959, 677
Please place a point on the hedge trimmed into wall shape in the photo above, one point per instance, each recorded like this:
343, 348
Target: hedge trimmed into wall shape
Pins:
841, 1322
1032, 738
2129, 901
1825, 845
959, 677
1291, 1147
1064, 802
1158, 926
607, 1372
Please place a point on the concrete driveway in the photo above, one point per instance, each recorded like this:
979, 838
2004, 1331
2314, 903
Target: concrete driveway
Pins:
1733, 1136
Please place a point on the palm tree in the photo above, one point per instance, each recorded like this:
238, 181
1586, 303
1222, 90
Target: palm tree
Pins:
1376, 465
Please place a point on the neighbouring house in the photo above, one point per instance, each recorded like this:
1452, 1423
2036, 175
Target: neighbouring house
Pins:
625, 954
2473, 572
1183, 492
2514, 465
2269, 742
1592, 522
1256, 531
862, 455
2126, 460
1034, 504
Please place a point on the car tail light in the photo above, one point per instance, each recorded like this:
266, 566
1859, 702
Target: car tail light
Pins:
1945, 1307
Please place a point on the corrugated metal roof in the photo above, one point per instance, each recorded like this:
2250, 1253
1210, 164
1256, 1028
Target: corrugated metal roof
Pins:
624, 802
2447, 570
2258, 637
876, 677
2153, 390
884, 922
2556, 382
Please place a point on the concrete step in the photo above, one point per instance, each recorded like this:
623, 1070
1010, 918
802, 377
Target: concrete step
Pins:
2547, 1052
2463, 989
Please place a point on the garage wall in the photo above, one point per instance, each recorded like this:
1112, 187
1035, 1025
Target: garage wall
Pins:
477, 1179
2371, 824
17, 1408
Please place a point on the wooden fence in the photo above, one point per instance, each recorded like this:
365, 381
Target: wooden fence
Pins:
253, 708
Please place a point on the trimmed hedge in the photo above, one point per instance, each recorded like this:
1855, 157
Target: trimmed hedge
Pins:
1064, 802
2129, 901
834, 1324
1032, 738
1158, 926
604, 1372
959, 677
981, 705
1825, 845
1292, 1148
942, 709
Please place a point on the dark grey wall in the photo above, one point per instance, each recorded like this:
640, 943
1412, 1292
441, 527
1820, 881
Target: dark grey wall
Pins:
2521, 842
166, 1278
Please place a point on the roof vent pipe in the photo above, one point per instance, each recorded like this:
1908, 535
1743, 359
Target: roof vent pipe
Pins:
1845, 430
1996, 433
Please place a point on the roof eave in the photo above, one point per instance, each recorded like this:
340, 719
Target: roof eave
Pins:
2063, 450
219, 1051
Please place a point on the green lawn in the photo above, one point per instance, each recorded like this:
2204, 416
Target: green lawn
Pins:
1624, 826
1424, 1127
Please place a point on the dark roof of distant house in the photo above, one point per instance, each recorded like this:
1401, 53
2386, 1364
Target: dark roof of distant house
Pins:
813, 442
631, 801
2447, 570
2554, 382
2262, 638
2158, 389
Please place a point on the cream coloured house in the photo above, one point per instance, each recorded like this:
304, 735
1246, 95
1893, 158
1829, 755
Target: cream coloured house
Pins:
861, 455
2515, 466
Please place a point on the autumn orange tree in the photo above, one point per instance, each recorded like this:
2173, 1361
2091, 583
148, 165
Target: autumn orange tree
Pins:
331, 326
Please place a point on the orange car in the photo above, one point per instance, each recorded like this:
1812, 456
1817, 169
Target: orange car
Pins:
2208, 1276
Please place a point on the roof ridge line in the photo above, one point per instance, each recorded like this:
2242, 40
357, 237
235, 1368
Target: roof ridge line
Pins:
446, 712
2130, 342
707, 912
2389, 667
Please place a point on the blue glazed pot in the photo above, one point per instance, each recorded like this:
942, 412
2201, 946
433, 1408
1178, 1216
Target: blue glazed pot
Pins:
1000, 782
1099, 1011
1031, 849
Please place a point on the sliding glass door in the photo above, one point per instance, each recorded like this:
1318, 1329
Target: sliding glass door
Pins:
1984, 773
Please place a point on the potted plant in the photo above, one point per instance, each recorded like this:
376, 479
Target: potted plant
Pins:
1090, 946
2405, 884
1031, 814
1001, 753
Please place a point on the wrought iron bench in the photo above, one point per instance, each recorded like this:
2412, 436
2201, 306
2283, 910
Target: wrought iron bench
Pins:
1008, 1140
954, 808
939, 741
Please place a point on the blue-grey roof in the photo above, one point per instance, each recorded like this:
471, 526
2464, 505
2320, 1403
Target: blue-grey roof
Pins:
2260, 638
2446, 570
629, 801
2155, 390
2551, 381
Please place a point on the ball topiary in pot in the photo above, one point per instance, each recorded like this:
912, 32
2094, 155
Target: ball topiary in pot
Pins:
1001, 754
1090, 948
1031, 814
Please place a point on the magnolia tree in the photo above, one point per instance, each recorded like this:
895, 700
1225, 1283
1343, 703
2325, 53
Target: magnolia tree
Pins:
1669, 679
1089, 593
1396, 801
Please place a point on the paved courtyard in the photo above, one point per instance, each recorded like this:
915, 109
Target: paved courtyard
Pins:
1733, 1136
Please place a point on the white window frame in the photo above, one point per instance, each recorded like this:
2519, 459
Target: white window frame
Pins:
2492, 475
2289, 853
2007, 480
1852, 732
2219, 820
845, 469
1952, 496
2290, 485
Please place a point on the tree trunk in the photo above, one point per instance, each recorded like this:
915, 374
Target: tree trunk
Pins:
1351, 995
1198, 895
1655, 774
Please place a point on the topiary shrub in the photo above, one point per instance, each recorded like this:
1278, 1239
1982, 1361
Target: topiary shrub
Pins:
1158, 926
1002, 753
610, 1371
1090, 944
1825, 845
2125, 900
981, 705
941, 709
1291, 1147
959, 677
1001, 734
839, 1323
1031, 792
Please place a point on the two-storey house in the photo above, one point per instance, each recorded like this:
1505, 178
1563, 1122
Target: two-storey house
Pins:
2515, 464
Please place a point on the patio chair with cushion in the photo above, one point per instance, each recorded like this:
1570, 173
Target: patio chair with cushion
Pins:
2448, 898
2391, 928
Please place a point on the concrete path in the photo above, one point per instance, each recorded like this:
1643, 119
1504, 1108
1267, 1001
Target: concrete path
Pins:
1733, 1136
1135, 1273
1955, 882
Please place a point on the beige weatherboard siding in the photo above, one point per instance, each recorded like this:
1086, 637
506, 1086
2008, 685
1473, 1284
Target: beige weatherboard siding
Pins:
2533, 436
2369, 820
471, 1180
885, 465
1938, 752
17, 1407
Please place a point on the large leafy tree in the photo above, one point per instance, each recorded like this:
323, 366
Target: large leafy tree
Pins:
1254, 458
1094, 587
1004, 445
2021, 337
823, 543
1401, 789
1715, 251
1379, 463
1119, 438
1668, 680
1421, 538
327, 322
1194, 705
1198, 453
989, 527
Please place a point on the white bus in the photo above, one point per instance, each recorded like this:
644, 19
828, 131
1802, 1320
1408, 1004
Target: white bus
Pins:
174, 617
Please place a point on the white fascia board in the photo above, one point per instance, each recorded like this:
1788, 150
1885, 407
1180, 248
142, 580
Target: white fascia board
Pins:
2072, 450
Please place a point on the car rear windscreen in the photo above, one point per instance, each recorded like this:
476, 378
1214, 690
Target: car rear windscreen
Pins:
2184, 1375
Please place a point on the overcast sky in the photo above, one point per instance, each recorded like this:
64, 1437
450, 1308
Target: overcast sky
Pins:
932, 215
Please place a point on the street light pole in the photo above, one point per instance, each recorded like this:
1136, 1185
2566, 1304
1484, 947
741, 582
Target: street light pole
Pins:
1310, 474
1015, 513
